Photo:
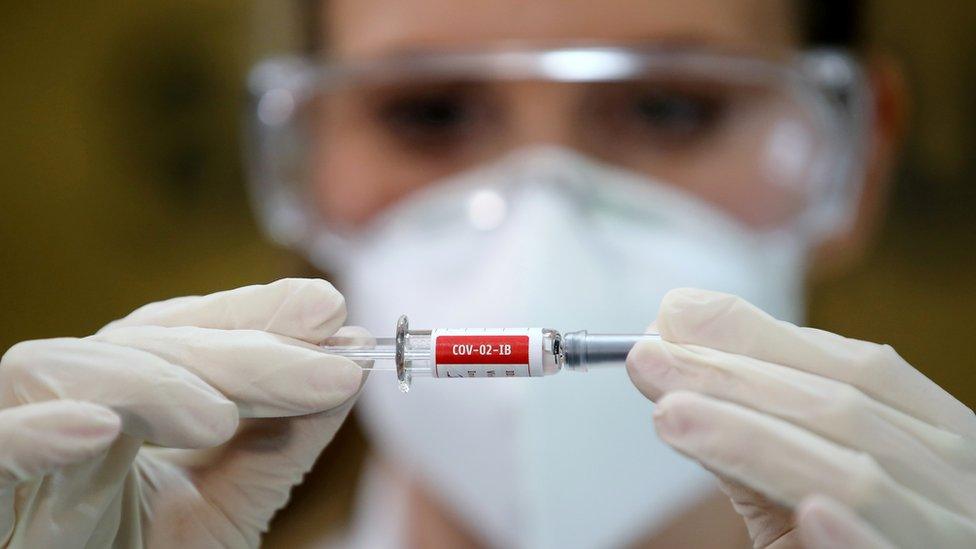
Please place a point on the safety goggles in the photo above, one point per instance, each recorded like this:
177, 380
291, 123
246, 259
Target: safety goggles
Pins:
773, 143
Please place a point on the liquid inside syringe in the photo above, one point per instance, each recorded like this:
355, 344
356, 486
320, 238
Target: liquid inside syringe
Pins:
484, 352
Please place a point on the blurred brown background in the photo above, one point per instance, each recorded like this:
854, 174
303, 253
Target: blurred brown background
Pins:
119, 147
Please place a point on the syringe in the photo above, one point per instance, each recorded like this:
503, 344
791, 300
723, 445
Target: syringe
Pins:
484, 352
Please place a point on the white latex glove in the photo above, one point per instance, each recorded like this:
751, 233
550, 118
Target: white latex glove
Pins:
97, 434
821, 441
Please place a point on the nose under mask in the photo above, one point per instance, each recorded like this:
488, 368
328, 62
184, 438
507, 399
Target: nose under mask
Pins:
546, 237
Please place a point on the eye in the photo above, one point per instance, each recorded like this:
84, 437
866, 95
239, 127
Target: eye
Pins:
433, 118
659, 115
674, 115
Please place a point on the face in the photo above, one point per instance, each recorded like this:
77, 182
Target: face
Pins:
374, 145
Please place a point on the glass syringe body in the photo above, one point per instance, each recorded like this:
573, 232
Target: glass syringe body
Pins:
485, 352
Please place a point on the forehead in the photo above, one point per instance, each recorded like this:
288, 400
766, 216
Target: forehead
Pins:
370, 28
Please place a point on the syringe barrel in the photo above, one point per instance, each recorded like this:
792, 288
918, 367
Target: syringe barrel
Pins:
451, 353
583, 350
484, 352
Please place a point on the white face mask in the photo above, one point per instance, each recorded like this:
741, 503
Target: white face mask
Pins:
546, 237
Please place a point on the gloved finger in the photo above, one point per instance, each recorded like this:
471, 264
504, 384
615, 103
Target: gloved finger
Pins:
766, 520
157, 401
729, 323
309, 309
36, 439
266, 375
249, 478
824, 523
924, 458
252, 475
788, 464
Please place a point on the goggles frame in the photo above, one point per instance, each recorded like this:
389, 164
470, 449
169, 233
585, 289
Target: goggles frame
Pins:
829, 81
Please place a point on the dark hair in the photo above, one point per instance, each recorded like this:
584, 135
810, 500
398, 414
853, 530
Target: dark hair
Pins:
835, 23
827, 23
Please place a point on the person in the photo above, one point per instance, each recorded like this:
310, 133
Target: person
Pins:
509, 163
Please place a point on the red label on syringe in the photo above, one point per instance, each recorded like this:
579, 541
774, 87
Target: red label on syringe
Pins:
482, 349
483, 353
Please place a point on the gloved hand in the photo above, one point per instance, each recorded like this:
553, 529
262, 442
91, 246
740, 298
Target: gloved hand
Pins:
132, 436
819, 440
